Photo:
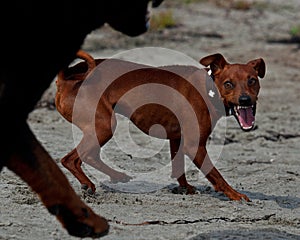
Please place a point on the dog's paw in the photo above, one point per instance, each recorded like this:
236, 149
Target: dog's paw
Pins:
120, 178
188, 190
236, 196
90, 190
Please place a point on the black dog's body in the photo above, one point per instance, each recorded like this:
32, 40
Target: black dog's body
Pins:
38, 38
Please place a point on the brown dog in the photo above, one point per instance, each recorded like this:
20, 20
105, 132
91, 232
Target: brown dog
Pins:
147, 95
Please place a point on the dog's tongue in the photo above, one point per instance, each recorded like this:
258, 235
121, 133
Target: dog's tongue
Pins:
246, 118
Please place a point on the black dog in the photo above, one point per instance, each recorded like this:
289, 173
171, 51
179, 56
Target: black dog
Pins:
42, 37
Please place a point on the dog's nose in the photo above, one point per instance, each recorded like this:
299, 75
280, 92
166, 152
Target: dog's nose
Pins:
244, 100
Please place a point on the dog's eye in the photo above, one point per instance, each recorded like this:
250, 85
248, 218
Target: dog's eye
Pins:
228, 85
251, 81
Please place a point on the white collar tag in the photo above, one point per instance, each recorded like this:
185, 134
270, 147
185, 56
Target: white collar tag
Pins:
211, 93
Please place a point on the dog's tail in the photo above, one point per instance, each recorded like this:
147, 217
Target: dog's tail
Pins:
90, 61
79, 71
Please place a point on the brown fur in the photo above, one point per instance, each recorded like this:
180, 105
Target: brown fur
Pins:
180, 125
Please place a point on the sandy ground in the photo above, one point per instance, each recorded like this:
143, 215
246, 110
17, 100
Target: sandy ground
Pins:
264, 164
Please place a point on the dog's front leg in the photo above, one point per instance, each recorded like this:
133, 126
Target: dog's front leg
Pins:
35, 166
178, 168
203, 162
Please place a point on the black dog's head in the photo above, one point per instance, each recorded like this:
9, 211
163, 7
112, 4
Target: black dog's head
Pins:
130, 17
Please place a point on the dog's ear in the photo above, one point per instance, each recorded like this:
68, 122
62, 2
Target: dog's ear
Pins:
259, 66
216, 62
156, 3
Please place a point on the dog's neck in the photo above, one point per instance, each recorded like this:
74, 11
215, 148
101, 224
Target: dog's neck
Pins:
214, 95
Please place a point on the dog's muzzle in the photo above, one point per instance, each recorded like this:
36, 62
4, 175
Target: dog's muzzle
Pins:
244, 113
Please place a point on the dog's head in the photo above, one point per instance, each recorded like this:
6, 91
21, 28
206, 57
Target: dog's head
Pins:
238, 85
130, 17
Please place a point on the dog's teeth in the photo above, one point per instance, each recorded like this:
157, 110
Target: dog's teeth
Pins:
235, 108
243, 107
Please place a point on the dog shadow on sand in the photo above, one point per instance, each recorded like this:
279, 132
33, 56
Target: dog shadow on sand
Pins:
289, 202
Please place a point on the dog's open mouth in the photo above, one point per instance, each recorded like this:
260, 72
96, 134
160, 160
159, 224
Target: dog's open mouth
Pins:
245, 115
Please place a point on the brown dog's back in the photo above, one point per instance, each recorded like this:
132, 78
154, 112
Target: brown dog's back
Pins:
139, 94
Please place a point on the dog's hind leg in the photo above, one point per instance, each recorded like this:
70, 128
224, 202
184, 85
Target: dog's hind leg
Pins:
73, 163
88, 151
178, 168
